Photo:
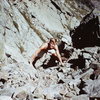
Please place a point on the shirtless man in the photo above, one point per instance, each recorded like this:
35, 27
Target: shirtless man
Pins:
51, 45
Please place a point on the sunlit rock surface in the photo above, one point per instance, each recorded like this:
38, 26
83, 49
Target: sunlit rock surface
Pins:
24, 26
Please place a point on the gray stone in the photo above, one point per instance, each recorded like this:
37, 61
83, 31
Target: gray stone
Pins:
24, 26
93, 88
80, 97
5, 98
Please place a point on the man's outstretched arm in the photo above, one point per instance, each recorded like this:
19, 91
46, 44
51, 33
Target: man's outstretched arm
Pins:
58, 54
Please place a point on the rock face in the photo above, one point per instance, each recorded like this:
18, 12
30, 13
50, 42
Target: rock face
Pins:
91, 4
24, 26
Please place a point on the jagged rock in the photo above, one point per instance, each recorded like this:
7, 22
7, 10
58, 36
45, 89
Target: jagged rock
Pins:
91, 50
24, 26
67, 39
54, 91
87, 56
38, 92
19, 78
91, 4
74, 83
21, 95
93, 88
86, 75
66, 68
97, 55
60, 75
96, 67
74, 23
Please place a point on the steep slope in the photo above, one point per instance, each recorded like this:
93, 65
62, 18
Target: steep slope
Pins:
24, 26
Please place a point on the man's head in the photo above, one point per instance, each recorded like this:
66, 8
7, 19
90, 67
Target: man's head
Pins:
52, 43
52, 40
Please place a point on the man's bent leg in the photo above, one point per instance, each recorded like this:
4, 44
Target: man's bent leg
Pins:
33, 63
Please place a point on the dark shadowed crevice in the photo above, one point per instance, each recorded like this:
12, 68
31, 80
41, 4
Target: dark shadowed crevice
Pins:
88, 33
61, 82
94, 98
56, 6
81, 86
64, 52
51, 63
16, 25
80, 62
3, 80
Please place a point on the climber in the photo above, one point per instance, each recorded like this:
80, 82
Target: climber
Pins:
48, 46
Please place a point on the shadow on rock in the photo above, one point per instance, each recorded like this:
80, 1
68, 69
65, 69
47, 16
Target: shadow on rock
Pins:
88, 33
80, 62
